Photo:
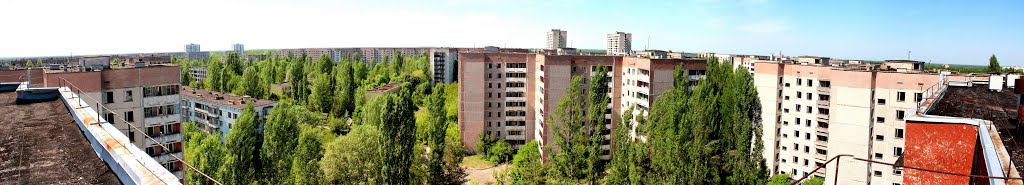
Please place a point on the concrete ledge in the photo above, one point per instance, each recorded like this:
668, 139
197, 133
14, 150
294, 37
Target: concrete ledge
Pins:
131, 165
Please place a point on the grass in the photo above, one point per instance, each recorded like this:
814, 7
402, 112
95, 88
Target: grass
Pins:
476, 161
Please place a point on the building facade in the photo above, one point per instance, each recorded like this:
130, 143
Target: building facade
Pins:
557, 39
508, 95
620, 43
192, 52
443, 65
813, 112
143, 97
216, 113
238, 48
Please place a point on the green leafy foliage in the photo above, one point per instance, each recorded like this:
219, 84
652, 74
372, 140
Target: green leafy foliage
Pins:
241, 143
396, 122
306, 162
780, 179
280, 137
353, 158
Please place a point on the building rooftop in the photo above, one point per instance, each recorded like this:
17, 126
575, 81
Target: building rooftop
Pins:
979, 102
224, 99
41, 144
385, 88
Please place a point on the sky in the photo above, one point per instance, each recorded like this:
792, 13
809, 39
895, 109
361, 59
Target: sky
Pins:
937, 31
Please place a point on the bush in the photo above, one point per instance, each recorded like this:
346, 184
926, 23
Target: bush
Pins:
500, 152
484, 145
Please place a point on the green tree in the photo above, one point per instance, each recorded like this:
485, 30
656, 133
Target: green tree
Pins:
280, 137
214, 73
203, 151
297, 78
814, 181
780, 179
116, 63
570, 159
596, 122
241, 141
186, 77
484, 145
453, 155
352, 158
993, 64
618, 169
396, 122
306, 162
251, 82
500, 152
438, 121
322, 99
233, 65
526, 166
344, 88
324, 65
704, 135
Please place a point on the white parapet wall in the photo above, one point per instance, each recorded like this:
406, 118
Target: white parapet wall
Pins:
131, 165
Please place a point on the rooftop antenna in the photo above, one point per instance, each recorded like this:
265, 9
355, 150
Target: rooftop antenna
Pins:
648, 47
908, 54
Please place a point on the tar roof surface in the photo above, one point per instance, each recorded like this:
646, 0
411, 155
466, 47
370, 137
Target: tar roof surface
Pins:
229, 100
41, 144
998, 107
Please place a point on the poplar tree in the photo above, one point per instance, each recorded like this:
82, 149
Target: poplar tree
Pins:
280, 136
241, 142
398, 131
569, 161
306, 160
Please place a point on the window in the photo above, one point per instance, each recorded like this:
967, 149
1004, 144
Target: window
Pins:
798, 108
799, 81
878, 155
128, 96
901, 96
900, 114
823, 124
109, 117
898, 151
821, 151
131, 136
879, 138
918, 97
878, 173
129, 116
809, 82
109, 98
799, 94
881, 101
879, 120
824, 84
899, 133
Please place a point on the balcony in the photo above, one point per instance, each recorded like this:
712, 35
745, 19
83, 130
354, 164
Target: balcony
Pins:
162, 120
822, 117
824, 90
823, 103
821, 143
821, 130
154, 101
167, 157
164, 139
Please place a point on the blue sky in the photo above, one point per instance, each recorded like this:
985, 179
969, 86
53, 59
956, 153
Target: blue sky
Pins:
961, 32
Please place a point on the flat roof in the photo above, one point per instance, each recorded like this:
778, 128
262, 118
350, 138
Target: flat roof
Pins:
41, 144
229, 100
981, 103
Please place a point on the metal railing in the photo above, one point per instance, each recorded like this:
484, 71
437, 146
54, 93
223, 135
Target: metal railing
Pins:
933, 93
78, 91
835, 175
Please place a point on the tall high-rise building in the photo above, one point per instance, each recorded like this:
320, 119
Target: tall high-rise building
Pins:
144, 97
509, 95
443, 64
192, 48
192, 52
238, 48
557, 38
812, 112
620, 43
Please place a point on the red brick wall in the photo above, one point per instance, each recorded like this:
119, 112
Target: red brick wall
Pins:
21, 75
946, 147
